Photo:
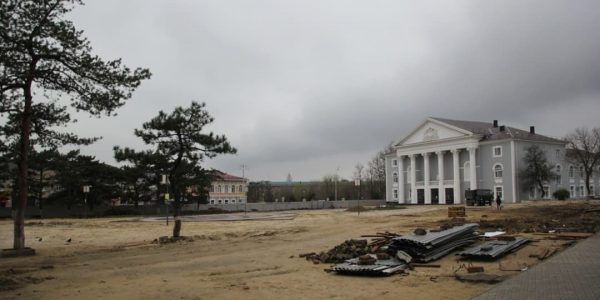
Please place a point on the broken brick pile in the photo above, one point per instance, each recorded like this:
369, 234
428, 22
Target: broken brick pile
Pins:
340, 253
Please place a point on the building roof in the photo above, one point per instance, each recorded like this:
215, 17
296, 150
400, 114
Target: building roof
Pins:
490, 133
227, 177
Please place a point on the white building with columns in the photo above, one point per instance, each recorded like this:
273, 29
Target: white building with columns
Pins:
441, 158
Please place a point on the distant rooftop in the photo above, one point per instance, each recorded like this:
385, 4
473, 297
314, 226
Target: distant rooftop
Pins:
491, 133
228, 177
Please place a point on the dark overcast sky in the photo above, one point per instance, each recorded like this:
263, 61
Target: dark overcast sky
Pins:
303, 87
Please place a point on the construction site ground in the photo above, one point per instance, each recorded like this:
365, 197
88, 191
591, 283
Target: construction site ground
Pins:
118, 258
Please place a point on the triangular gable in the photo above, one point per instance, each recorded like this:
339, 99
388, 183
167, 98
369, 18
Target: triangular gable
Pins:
430, 130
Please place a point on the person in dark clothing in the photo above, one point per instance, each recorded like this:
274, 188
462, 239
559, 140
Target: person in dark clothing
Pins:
498, 202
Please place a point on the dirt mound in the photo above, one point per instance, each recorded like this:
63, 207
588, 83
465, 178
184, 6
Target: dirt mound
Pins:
570, 217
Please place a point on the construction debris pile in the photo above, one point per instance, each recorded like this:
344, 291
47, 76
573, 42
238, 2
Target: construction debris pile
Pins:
493, 249
370, 265
572, 218
340, 253
425, 246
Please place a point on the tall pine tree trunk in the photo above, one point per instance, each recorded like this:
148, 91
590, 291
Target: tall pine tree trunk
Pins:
21, 205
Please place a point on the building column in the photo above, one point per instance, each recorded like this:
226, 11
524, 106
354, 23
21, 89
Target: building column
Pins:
426, 177
441, 190
473, 168
457, 193
401, 198
413, 179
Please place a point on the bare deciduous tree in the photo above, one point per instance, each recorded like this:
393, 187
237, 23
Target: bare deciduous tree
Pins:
584, 150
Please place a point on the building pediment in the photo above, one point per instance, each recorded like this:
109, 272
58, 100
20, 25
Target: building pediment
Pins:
432, 130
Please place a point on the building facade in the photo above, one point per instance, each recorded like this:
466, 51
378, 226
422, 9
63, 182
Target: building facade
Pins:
228, 189
441, 158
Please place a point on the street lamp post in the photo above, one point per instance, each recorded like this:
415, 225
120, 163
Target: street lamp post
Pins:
86, 190
357, 184
335, 183
165, 181
243, 188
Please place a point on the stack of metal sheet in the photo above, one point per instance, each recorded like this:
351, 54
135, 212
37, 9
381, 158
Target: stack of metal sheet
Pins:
493, 249
435, 244
381, 267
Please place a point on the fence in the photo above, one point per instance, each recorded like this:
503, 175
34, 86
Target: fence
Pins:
78, 211
272, 206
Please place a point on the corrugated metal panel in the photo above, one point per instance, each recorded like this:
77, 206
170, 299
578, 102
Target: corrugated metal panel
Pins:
493, 249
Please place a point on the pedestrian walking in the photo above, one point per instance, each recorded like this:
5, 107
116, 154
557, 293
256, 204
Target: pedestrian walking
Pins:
498, 202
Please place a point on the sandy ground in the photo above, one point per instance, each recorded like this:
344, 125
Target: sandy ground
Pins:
115, 258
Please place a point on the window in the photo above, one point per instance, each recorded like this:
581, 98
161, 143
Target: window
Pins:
497, 151
557, 154
592, 190
240, 189
212, 201
581, 171
395, 193
212, 188
570, 171
582, 190
395, 177
394, 162
572, 192
558, 176
226, 189
498, 171
546, 192
467, 171
220, 201
218, 188
226, 201
233, 201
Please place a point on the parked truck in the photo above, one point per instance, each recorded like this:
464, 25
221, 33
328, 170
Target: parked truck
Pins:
479, 197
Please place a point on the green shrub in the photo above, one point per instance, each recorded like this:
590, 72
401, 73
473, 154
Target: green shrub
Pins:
561, 194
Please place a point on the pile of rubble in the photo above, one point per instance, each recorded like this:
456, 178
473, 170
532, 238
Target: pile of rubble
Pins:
340, 253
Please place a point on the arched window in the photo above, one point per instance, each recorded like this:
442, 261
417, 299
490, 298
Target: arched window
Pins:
571, 171
218, 188
467, 171
395, 177
498, 171
558, 176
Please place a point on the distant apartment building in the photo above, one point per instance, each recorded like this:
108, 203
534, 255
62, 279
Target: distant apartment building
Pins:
228, 189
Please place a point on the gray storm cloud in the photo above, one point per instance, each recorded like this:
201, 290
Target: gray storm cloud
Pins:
302, 87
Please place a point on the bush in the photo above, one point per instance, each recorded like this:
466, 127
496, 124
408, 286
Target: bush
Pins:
561, 194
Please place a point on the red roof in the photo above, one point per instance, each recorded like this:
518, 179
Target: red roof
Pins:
228, 177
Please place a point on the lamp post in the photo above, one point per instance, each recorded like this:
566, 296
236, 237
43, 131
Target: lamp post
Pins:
86, 190
357, 184
244, 167
335, 183
165, 181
